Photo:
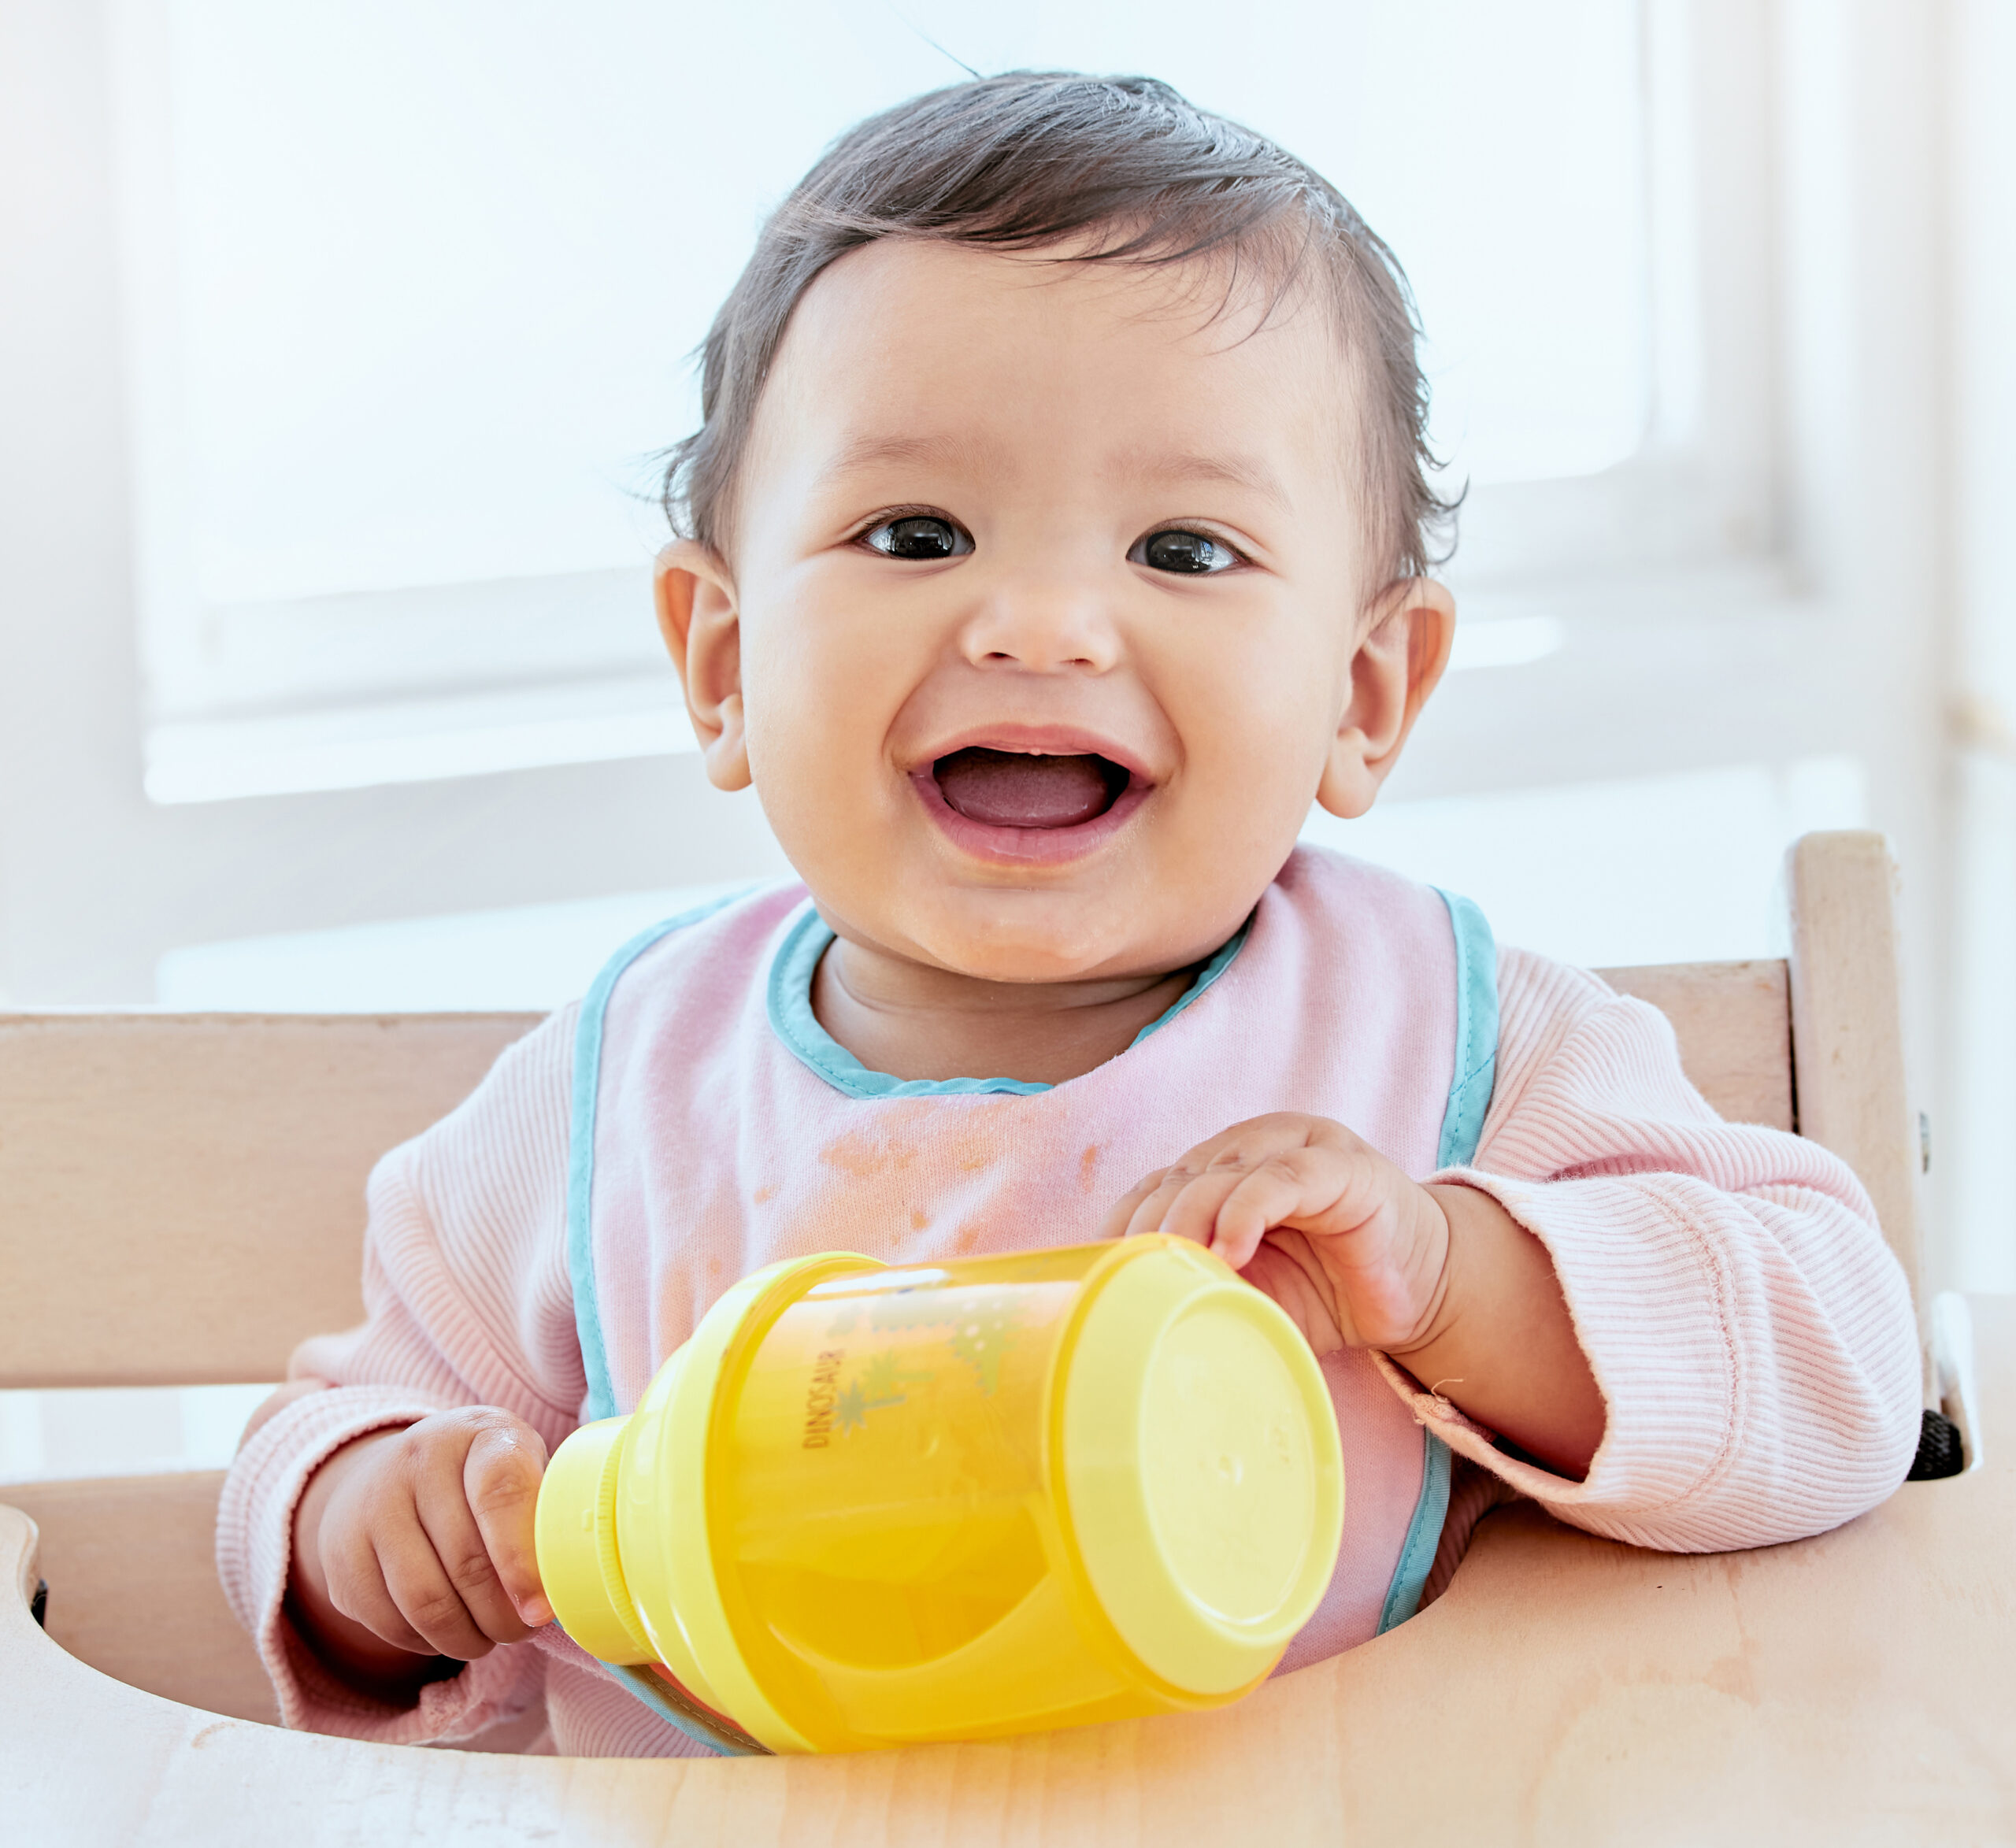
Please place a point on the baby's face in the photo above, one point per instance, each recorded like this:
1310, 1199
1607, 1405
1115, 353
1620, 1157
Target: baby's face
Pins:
1039, 631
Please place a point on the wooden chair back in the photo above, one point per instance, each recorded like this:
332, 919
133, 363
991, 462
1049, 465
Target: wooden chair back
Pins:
181, 1195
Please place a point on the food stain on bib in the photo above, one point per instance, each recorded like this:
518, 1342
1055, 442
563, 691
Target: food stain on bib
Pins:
865, 1156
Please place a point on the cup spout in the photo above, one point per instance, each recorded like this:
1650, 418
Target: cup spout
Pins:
575, 1533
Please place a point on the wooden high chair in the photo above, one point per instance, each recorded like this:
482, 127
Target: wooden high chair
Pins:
180, 1202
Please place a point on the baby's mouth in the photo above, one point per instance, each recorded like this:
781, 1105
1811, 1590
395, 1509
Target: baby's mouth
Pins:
1028, 789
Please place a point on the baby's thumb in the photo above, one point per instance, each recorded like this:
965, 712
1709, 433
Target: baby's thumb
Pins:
1273, 1271
501, 1478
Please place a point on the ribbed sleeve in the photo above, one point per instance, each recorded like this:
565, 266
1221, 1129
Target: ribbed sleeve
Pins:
1751, 1333
467, 1302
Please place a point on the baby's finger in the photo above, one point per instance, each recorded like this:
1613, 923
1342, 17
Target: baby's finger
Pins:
429, 1603
357, 1587
442, 1498
1288, 1185
1142, 1209
1193, 1212
1151, 1212
500, 1480
1120, 1215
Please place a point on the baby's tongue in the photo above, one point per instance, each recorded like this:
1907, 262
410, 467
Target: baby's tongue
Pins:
1015, 789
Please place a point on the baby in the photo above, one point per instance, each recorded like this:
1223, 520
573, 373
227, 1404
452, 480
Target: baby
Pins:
1056, 532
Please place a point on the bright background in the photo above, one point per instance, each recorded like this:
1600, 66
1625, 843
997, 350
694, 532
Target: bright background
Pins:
338, 336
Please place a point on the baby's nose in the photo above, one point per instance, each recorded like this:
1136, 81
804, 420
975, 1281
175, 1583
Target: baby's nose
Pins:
1044, 624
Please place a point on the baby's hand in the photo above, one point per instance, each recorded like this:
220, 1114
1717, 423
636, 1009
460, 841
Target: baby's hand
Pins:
1317, 1218
423, 1538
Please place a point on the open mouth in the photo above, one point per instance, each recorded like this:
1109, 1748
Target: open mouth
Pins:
1029, 789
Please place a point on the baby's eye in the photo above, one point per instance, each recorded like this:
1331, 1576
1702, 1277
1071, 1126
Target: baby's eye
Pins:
1174, 549
919, 535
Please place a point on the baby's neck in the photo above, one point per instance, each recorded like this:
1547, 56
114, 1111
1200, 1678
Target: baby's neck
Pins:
913, 1021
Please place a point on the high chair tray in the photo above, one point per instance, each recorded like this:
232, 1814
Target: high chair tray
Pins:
1859, 1688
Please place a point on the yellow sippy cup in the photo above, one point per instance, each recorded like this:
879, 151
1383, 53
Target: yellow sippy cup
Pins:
870, 1506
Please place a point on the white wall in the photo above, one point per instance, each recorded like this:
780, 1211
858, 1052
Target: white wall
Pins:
1978, 1223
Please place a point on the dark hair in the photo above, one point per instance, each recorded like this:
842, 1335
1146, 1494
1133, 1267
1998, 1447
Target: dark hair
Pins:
1031, 159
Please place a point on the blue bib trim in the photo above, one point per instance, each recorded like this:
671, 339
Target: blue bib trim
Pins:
789, 998
660, 1698
581, 1153
1477, 1034
1424, 1536
1475, 1072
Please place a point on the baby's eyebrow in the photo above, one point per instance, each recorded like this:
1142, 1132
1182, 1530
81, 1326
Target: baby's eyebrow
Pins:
1177, 467
967, 454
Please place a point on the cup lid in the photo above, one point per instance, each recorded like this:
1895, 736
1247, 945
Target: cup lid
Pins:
1203, 1482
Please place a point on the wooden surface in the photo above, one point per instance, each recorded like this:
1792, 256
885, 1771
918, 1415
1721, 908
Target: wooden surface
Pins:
131, 1567
1848, 1030
182, 1196
1733, 1022
1854, 1689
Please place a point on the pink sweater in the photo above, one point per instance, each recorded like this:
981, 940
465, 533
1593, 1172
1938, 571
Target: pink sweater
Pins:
1751, 1335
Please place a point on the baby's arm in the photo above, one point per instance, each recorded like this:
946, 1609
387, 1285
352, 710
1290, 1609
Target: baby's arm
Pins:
1751, 1334
1727, 1289
351, 1497
1440, 1277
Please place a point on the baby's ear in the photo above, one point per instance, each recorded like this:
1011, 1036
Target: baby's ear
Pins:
1402, 652
702, 630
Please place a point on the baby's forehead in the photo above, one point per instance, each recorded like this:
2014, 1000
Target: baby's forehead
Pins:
1197, 307
913, 350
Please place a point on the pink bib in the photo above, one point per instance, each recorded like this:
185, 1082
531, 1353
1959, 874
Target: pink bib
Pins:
717, 1128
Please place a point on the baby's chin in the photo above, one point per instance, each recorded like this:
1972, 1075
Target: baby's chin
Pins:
1038, 937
